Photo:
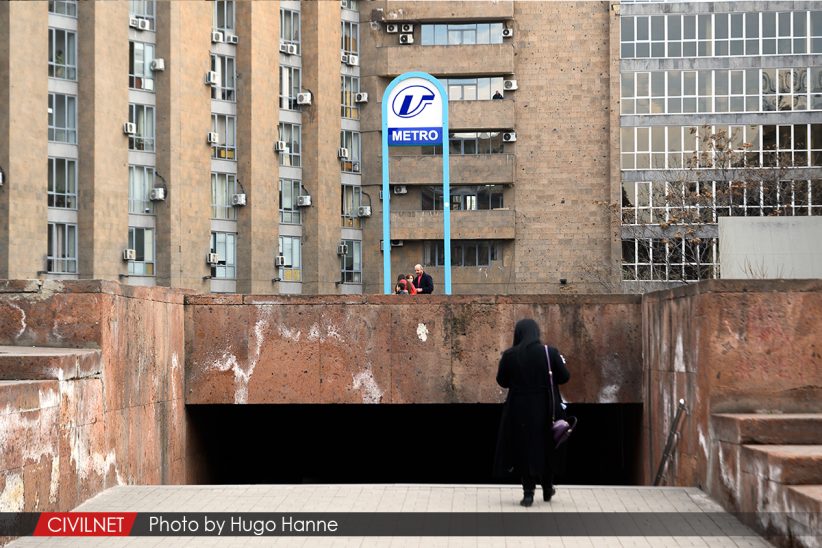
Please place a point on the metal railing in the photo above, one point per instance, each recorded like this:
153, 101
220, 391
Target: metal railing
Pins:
673, 437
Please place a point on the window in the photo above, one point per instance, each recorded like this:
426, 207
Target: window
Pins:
224, 66
289, 248
62, 118
350, 140
141, 240
472, 89
290, 82
224, 244
290, 213
143, 117
350, 5
140, 183
350, 39
290, 27
462, 143
225, 127
676, 259
62, 250
463, 198
351, 262
224, 15
62, 54
349, 87
140, 75
63, 7
463, 253
145, 9
461, 34
223, 186
290, 134
351, 199
62, 191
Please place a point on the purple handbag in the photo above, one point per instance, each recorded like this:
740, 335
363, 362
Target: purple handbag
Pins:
561, 429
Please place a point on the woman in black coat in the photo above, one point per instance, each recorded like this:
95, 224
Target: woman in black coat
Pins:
525, 443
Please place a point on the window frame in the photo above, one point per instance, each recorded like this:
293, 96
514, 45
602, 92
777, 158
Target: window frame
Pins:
69, 196
144, 263
69, 109
221, 207
62, 248
143, 138
67, 69
139, 189
146, 78
351, 262
225, 126
290, 214
293, 270
226, 269
292, 135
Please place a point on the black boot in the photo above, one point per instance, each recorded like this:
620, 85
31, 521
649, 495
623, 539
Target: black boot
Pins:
527, 498
548, 491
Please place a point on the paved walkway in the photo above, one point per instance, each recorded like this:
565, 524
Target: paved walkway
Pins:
406, 498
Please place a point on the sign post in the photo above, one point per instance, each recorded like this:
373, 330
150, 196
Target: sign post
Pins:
415, 113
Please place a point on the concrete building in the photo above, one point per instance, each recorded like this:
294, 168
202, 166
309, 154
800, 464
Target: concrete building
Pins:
242, 153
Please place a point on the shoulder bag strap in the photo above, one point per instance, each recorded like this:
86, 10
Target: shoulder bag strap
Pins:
550, 383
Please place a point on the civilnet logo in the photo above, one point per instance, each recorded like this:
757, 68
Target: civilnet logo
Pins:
411, 101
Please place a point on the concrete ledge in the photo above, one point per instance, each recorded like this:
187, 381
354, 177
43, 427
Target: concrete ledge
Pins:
777, 429
17, 396
805, 504
41, 363
785, 464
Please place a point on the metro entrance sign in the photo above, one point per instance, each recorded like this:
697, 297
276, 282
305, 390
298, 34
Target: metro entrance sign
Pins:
415, 113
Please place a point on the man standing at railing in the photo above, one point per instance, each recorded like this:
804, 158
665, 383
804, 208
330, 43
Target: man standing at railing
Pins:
423, 281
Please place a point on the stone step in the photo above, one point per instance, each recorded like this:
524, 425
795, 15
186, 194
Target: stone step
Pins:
786, 464
19, 396
43, 363
805, 508
775, 429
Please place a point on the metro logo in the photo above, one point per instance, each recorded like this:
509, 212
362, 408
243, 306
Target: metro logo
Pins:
412, 100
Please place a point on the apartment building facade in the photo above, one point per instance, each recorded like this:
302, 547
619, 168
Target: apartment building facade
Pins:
234, 146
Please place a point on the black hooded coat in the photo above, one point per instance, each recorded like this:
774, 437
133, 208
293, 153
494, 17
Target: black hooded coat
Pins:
524, 439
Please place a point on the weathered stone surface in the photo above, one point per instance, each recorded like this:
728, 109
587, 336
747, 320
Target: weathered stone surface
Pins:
31, 363
787, 464
779, 429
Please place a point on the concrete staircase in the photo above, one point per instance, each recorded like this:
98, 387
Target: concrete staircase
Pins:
770, 470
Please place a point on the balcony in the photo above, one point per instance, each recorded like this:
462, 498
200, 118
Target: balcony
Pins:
479, 169
464, 10
494, 224
446, 61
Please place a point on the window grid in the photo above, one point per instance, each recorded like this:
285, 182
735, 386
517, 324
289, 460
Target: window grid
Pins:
473, 89
351, 262
290, 28
471, 253
468, 143
143, 117
62, 54
720, 34
290, 190
225, 67
350, 5
63, 7
350, 38
224, 244
62, 118
290, 86
223, 186
62, 248
145, 9
289, 249
291, 135
62, 189
224, 15
464, 198
670, 259
140, 183
141, 240
140, 75
350, 140
457, 34
349, 87
351, 200
226, 128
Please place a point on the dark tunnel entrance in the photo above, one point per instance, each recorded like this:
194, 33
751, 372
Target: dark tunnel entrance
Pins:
448, 443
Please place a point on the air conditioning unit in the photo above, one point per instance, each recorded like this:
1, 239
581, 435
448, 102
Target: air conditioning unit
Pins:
217, 37
280, 146
284, 47
392, 28
238, 199
303, 201
213, 138
129, 255
279, 260
396, 243
212, 258
232, 39
157, 194
134, 22
355, 167
344, 58
400, 189
304, 98
211, 78
509, 137
406, 39
353, 60
148, 84
343, 153
129, 128
291, 49
144, 24
507, 32
407, 28
364, 211
361, 97
158, 65
342, 249
509, 85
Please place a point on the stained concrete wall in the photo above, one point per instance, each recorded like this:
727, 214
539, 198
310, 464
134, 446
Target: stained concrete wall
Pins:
725, 346
389, 349
118, 420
